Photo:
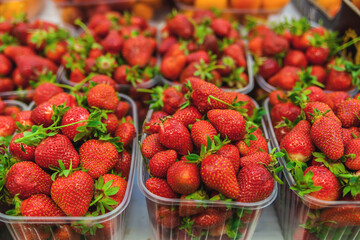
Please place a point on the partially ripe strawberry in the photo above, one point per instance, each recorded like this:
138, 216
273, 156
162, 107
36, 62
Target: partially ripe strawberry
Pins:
103, 96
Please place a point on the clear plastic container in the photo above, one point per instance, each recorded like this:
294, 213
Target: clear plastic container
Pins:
293, 210
246, 226
114, 222
10, 8
15, 103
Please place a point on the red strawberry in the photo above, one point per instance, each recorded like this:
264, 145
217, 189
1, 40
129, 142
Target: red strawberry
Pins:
126, 132
171, 67
73, 193
120, 74
200, 131
123, 164
160, 163
55, 148
197, 56
5, 65
187, 115
194, 83
255, 45
12, 111
172, 100
42, 114
257, 157
183, 177
30, 66
112, 123
174, 135
260, 144
319, 72
353, 147
240, 97
167, 217
6, 85
44, 92
151, 145
7, 126
286, 78
160, 188
318, 95
13, 52
349, 112
165, 44
338, 81
322, 177
73, 115
188, 209
24, 118
76, 75
211, 218
18, 153
284, 110
340, 216
40, 205
322, 107
297, 142
218, 173
26, 179
138, 50
236, 53
228, 123
276, 97
337, 98
255, 183
99, 78
32, 231
317, 55
56, 53
274, 44
62, 98
302, 42
122, 109
295, 58
113, 42
65, 232
348, 133
180, 26
269, 68
119, 182
231, 152
103, 96
98, 156
221, 27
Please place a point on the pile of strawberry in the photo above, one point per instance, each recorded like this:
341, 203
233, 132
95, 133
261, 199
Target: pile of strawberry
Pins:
121, 47
205, 46
320, 136
208, 148
283, 50
71, 156
28, 50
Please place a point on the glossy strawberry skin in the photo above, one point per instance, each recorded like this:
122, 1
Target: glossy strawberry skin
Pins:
295, 58
40, 205
211, 218
337, 98
160, 188
183, 177
260, 144
45, 91
286, 78
287, 110
167, 217
200, 131
7, 126
269, 68
160, 163
73, 115
353, 147
119, 182
151, 145
123, 165
322, 107
258, 157
18, 153
348, 113
138, 50
341, 216
180, 26
126, 131
231, 152
103, 96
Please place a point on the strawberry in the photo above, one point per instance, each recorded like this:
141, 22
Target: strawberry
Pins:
240, 97
99, 78
44, 92
76, 75
231, 152
172, 100
24, 118
42, 114
319, 72
40, 205
284, 110
338, 81
340, 216
237, 53
174, 135
126, 131
187, 115
253, 146
161, 162
228, 123
116, 182
151, 145
171, 67
73, 193
274, 44
348, 112
98, 157
123, 164
255, 183
5, 65
180, 26
63, 98
317, 55
255, 45
302, 42
7, 126
200, 131
269, 68
103, 96
348, 134
32, 231
30, 66
276, 97
295, 58
330, 186
317, 94
122, 109
73, 115
113, 42
167, 217
12, 111
166, 44
160, 187
337, 98
55, 148
13, 52
221, 27
320, 106
183, 177
6, 85
188, 209
197, 56
353, 147
120, 74
112, 123
138, 50
297, 143
211, 218
286, 78
218, 173
26, 179
65, 232
18, 153
56, 53
257, 157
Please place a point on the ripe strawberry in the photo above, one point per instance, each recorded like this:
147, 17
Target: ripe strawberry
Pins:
297, 143
295, 58
76, 75
228, 123
322, 107
160, 187
269, 68
24, 118
188, 209
197, 56
348, 112
30, 66
160, 163
126, 132
172, 100
200, 131
55, 148
189, 71
103, 96
138, 50
302, 42
151, 145
218, 173
32, 231
353, 147
286, 78
338, 81
123, 164
44, 92
120, 75
284, 110
274, 44
317, 55
240, 97
99, 78
113, 42
73, 193
5, 65
117, 181
62, 98
319, 73
255, 183
257, 157
171, 67
318, 95
11, 111
348, 133
337, 98
42, 114
221, 27
56, 53
26, 179
13, 52
322, 176
174, 135
18, 153
187, 115
73, 115
260, 144
231, 152
180, 26
7, 126
183, 177
340, 216
65, 232
40, 205
276, 97
122, 109
6, 85
236, 53
165, 44
167, 217
112, 123
211, 218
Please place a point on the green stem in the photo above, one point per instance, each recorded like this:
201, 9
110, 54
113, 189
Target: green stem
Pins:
348, 44
97, 199
221, 101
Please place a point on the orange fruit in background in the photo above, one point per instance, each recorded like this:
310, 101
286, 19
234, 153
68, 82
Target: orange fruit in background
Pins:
273, 4
246, 4
208, 4
143, 10
356, 3
329, 4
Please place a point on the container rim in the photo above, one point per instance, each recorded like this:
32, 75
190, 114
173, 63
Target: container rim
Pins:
289, 178
102, 218
16, 103
161, 200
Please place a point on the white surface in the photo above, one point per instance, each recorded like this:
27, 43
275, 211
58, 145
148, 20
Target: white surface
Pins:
138, 226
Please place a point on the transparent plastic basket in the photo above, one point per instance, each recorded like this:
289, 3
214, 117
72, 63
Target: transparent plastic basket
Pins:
294, 210
114, 222
154, 202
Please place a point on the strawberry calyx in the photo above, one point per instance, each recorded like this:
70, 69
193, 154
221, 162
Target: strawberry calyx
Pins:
114, 141
303, 183
105, 64
249, 136
273, 167
16, 201
86, 226
350, 183
204, 70
236, 105
187, 225
202, 30
307, 80
102, 196
317, 114
187, 95
7, 40
286, 123
62, 171
295, 26
235, 80
48, 77
349, 67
